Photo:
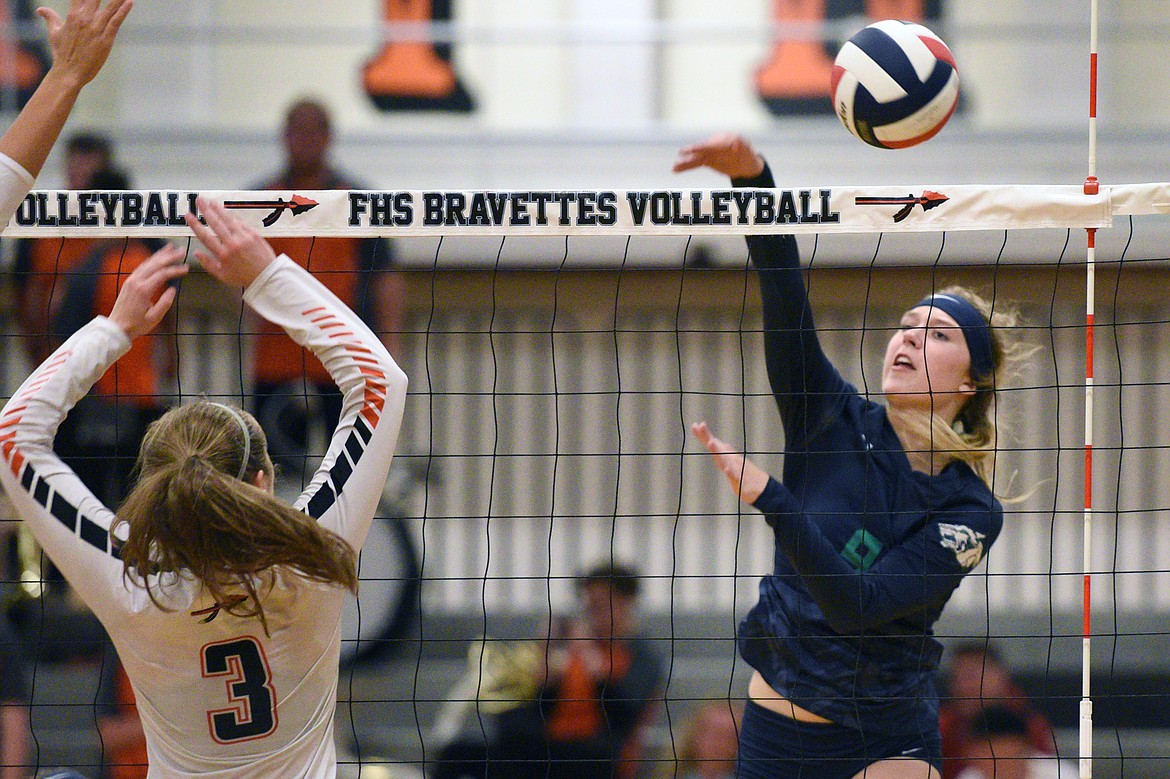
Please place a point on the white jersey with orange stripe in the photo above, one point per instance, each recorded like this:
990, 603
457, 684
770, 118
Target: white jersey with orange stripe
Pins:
216, 695
15, 182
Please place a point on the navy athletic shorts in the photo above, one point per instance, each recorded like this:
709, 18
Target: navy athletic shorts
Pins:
772, 746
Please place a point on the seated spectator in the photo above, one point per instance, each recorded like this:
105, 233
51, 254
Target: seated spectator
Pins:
15, 751
592, 691
1000, 748
119, 726
709, 743
977, 678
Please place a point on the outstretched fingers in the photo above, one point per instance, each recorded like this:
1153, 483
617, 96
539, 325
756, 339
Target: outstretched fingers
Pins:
113, 12
204, 234
111, 16
161, 268
726, 153
236, 252
715, 445
691, 157
146, 294
81, 42
747, 480
52, 19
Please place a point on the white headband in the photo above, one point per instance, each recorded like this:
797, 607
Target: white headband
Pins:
236, 415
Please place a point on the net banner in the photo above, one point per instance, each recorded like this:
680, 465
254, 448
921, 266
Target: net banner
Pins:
362, 213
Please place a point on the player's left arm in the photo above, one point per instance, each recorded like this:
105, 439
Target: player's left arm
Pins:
344, 492
67, 520
923, 569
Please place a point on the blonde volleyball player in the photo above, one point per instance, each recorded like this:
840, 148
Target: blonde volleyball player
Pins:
80, 44
881, 513
224, 603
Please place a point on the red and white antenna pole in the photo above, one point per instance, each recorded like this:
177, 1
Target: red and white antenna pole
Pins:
1091, 188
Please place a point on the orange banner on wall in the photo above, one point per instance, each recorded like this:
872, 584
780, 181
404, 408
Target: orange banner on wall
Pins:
413, 75
794, 80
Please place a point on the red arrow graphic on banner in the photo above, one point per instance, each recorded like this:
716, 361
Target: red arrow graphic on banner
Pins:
298, 204
927, 200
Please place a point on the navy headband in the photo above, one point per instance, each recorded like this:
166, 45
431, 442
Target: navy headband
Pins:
976, 331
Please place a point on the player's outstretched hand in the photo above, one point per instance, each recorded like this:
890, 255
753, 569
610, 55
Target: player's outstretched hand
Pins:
81, 42
729, 154
747, 479
146, 294
238, 253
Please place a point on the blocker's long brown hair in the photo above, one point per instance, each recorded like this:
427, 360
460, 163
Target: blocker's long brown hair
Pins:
195, 508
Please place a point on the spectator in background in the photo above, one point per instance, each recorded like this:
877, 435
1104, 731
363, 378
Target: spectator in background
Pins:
15, 754
80, 44
87, 153
1000, 747
62, 283
709, 743
292, 392
119, 726
23, 60
978, 679
594, 684
41, 263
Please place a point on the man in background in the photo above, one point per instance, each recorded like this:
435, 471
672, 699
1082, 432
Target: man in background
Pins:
1001, 748
590, 692
292, 393
63, 283
60, 284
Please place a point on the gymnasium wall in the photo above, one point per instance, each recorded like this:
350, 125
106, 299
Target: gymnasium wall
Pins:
599, 93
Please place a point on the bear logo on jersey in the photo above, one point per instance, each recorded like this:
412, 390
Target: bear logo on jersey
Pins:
966, 543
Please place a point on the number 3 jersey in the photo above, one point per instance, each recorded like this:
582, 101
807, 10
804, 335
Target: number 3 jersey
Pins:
216, 695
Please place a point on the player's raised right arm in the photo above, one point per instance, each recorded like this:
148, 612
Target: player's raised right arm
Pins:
80, 44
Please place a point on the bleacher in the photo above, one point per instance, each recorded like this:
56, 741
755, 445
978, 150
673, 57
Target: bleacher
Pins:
387, 710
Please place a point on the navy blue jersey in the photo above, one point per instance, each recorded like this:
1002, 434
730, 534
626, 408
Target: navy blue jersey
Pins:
868, 550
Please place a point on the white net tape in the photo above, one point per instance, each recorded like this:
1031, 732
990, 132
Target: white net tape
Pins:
930, 208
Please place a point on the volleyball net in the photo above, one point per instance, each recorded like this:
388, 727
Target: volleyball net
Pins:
559, 345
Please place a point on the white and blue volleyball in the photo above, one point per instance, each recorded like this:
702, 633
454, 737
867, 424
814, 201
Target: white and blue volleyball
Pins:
895, 84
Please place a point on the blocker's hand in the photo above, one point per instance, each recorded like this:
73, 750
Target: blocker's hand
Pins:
145, 296
729, 154
747, 479
81, 42
238, 253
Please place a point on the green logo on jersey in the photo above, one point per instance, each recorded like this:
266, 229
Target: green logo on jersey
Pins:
862, 550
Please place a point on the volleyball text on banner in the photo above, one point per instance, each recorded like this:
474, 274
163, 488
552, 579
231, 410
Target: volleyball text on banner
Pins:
159, 213
413, 72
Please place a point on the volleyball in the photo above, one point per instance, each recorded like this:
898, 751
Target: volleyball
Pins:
895, 84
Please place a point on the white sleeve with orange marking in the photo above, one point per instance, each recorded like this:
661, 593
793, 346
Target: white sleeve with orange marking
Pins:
344, 493
73, 526
66, 519
15, 182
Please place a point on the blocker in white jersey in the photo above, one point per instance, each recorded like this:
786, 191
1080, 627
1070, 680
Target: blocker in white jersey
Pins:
228, 626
